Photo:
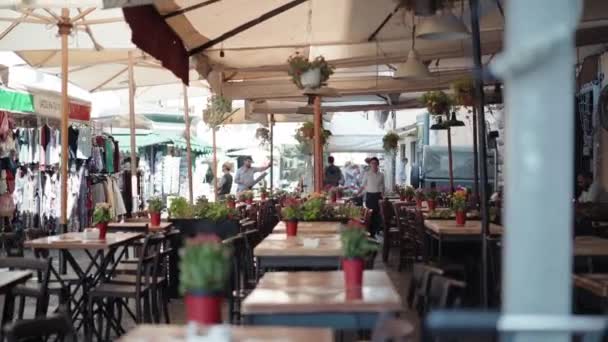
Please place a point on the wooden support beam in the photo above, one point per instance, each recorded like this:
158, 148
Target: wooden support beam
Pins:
246, 26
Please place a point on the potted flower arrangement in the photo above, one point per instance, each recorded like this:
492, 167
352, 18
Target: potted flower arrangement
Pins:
231, 201
290, 214
431, 199
464, 91
409, 193
101, 217
355, 247
246, 196
204, 271
155, 206
459, 205
347, 213
313, 208
419, 198
335, 193
309, 74
390, 142
203, 217
263, 193
218, 110
437, 102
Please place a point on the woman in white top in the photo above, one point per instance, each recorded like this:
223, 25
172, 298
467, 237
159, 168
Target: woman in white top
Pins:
373, 186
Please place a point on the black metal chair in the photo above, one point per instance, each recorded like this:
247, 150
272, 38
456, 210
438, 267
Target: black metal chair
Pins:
12, 244
41, 329
445, 293
36, 288
419, 286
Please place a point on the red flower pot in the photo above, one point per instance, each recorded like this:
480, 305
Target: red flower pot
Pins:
353, 272
461, 218
103, 229
354, 293
231, 204
291, 228
203, 308
418, 204
155, 219
432, 204
249, 201
334, 198
402, 198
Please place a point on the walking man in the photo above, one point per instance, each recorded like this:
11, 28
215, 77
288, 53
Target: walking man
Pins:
373, 186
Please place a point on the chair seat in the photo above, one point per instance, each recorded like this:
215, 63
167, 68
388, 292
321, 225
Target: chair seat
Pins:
132, 279
115, 290
126, 268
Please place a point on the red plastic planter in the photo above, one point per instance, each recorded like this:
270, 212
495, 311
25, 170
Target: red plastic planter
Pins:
291, 228
461, 218
353, 272
432, 205
418, 204
402, 198
334, 198
231, 204
203, 308
155, 219
103, 229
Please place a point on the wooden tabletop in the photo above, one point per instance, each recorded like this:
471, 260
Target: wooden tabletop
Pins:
154, 333
596, 283
78, 241
282, 245
143, 225
8, 279
310, 292
449, 227
590, 246
320, 227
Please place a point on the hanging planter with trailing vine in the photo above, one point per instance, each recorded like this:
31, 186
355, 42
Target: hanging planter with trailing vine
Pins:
218, 110
309, 74
390, 142
464, 92
437, 102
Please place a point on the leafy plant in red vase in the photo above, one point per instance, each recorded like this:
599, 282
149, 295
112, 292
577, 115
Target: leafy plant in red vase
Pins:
263, 193
230, 201
101, 217
431, 199
410, 193
420, 197
155, 206
355, 247
459, 205
290, 214
205, 267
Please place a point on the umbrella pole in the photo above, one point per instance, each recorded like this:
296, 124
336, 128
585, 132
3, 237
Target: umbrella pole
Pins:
188, 146
134, 194
214, 164
318, 146
451, 171
475, 158
65, 27
271, 121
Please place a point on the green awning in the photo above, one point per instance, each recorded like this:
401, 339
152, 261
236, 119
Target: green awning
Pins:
144, 140
194, 145
14, 101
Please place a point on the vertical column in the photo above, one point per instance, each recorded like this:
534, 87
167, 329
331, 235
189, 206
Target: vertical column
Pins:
271, 124
537, 67
133, 150
65, 27
188, 146
318, 145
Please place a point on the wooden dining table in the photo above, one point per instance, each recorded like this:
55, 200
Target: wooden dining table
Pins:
320, 299
449, 231
103, 259
162, 333
139, 227
305, 227
278, 251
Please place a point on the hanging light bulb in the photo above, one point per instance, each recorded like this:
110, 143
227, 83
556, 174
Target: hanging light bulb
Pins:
443, 26
412, 68
439, 125
453, 122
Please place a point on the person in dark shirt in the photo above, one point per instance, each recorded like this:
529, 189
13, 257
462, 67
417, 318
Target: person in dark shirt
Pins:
333, 174
225, 185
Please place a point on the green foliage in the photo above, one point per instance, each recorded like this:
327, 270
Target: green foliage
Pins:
246, 195
218, 110
156, 204
204, 266
464, 90
437, 102
355, 243
102, 213
215, 212
298, 64
180, 208
432, 194
230, 198
263, 135
313, 209
390, 141
291, 213
347, 212
459, 200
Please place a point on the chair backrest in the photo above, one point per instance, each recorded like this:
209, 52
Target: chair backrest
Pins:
445, 293
42, 269
387, 213
12, 244
419, 285
147, 265
40, 329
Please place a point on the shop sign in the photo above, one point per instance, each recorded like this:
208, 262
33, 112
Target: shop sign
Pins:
51, 106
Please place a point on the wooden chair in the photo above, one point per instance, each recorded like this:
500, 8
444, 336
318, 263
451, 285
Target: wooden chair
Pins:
42, 329
445, 293
411, 240
419, 286
390, 229
36, 288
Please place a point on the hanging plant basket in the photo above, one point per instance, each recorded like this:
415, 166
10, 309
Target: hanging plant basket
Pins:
390, 142
218, 110
263, 135
306, 131
309, 74
437, 102
464, 92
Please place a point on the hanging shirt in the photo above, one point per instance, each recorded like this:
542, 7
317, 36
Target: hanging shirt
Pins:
84, 143
73, 141
109, 145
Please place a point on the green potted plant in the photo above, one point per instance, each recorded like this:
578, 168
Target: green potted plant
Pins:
335, 192
419, 198
390, 142
204, 271
348, 213
101, 217
203, 217
431, 199
263, 193
246, 196
291, 213
459, 205
437, 102
263, 135
313, 208
217, 111
410, 193
464, 91
155, 206
231, 201
307, 74
355, 247
306, 130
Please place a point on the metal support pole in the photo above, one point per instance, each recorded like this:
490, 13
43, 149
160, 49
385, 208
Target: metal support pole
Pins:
134, 193
318, 146
483, 158
475, 158
451, 170
271, 124
213, 132
188, 144
537, 67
